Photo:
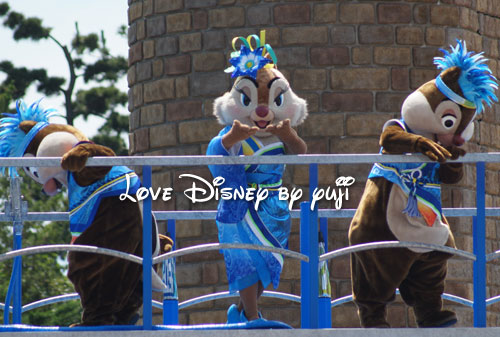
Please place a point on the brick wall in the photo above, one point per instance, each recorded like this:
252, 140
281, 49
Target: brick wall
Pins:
354, 62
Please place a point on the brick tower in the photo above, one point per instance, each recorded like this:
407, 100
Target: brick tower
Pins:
354, 62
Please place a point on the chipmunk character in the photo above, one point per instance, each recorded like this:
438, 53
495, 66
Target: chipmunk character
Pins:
403, 201
110, 288
258, 113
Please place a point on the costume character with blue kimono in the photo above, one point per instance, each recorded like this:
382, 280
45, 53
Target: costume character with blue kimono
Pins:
402, 201
258, 114
110, 288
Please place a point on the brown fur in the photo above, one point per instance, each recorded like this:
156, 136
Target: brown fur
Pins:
110, 288
377, 273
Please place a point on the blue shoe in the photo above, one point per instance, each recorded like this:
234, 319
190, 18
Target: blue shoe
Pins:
243, 318
233, 315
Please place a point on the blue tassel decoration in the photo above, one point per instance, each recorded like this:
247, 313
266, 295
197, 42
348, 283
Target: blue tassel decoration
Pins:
412, 206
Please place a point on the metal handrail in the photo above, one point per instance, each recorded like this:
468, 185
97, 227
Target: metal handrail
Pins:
218, 246
321, 159
395, 244
148, 161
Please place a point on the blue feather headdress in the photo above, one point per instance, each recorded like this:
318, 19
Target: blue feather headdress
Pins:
476, 79
13, 140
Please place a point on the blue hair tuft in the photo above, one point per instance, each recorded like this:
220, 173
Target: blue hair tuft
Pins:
13, 140
476, 79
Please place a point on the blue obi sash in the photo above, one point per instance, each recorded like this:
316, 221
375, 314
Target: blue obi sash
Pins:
84, 200
419, 181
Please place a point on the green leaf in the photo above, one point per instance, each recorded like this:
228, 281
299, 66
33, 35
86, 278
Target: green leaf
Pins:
4, 8
106, 69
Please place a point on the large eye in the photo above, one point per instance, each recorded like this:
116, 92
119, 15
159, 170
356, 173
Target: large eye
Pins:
279, 100
33, 171
448, 121
245, 100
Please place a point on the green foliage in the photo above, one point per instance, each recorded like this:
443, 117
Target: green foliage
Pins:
43, 275
86, 54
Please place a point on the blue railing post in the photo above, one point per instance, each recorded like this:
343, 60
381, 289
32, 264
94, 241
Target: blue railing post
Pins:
325, 302
170, 298
309, 270
479, 247
147, 251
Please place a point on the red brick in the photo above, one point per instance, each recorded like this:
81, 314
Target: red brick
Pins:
392, 55
421, 14
343, 35
291, 14
163, 6
190, 42
400, 79
445, 15
317, 146
361, 55
135, 53
329, 56
134, 12
366, 124
325, 13
183, 110
258, 15
309, 79
347, 102
360, 78
143, 71
178, 65
200, 20
166, 46
209, 61
409, 35
182, 87
141, 139
226, 17
394, 13
199, 3
421, 76
469, 19
159, 90
209, 84
147, 7
213, 40
305, 35
389, 102
152, 114
424, 56
357, 13
376, 34
324, 124
155, 26
179, 22
210, 273
434, 36
295, 56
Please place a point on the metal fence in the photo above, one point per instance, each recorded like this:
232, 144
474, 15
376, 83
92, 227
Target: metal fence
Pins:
315, 310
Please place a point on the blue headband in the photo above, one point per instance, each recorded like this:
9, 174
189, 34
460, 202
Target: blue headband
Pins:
19, 152
452, 95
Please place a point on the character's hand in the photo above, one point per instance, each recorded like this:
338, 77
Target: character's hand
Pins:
166, 243
238, 133
432, 150
456, 151
75, 159
283, 130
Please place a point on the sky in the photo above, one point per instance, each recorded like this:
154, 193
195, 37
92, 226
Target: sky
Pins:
92, 17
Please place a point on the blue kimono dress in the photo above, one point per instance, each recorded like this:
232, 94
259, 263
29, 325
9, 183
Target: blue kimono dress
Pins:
239, 222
